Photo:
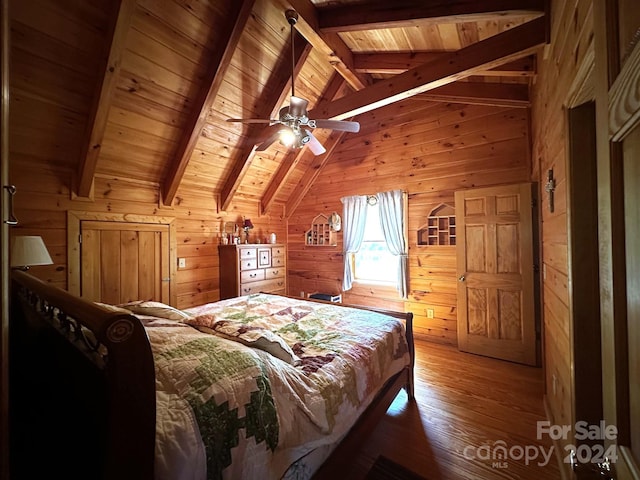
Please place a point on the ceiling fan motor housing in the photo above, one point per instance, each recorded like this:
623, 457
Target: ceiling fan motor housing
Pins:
292, 16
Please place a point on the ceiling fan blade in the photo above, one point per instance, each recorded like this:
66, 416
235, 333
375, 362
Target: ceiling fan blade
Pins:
251, 120
270, 139
314, 145
298, 106
341, 125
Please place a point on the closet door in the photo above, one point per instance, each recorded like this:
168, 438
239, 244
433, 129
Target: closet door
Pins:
494, 250
122, 262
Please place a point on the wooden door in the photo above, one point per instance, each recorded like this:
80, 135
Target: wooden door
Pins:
494, 251
123, 262
616, 27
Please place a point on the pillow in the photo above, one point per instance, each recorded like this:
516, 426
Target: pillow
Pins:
113, 308
156, 309
255, 337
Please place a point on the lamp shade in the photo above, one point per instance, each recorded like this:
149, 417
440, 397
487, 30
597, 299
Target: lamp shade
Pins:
29, 250
247, 223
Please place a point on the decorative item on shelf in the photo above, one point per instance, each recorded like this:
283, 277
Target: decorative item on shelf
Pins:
321, 233
27, 251
335, 222
440, 228
272, 238
247, 225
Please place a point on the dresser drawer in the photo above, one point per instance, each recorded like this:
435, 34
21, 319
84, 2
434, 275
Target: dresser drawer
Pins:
271, 273
251, 276
248, 264
264, 257
248, 253
277, 251
278, 261
263, 286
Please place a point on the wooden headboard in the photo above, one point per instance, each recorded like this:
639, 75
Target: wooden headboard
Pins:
74, 408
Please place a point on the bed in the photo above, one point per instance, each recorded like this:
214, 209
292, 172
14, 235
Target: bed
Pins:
262, 386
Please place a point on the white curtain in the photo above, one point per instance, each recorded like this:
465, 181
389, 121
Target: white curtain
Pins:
391, 207
354, 219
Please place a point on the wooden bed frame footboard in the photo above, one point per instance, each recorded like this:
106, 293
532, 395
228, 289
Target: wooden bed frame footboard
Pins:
82, 388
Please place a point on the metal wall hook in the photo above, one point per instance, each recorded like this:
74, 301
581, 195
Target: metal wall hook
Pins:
12, 220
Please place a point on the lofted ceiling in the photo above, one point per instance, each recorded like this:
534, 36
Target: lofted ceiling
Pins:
171, 72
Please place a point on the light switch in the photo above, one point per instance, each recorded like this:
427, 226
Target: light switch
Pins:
429, 312
182, 263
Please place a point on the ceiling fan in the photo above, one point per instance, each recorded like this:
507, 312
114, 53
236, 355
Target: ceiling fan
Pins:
293, 125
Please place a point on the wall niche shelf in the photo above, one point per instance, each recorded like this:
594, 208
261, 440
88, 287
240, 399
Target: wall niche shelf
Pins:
440, 228
320, 234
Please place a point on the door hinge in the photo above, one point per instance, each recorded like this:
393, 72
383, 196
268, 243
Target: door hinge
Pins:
534, 203
536, 268
80, 238
166, 279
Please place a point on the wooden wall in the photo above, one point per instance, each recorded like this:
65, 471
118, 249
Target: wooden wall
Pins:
557, 86
430, 150
44, 197
54, 69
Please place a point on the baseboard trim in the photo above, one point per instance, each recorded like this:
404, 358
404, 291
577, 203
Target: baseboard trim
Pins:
558, 448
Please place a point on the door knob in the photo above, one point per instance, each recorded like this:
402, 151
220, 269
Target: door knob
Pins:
461, 278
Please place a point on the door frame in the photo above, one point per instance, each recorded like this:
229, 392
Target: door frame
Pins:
611, 206
74, 220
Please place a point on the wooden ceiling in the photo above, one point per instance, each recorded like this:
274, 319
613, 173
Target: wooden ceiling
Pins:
170, 73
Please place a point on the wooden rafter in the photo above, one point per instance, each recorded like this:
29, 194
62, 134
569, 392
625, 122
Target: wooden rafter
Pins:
279, 82
329, 44
217, 68
122, 14
481, 93
399, 62
294, 157
502, 48
307, 180
407, 13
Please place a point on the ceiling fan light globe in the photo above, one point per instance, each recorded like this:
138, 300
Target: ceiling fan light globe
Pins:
287, 137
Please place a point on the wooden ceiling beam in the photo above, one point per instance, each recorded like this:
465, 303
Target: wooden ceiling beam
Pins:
120, 21
329, 44
407, 13
480, 93
219, 62
395, 63
502, 48
295, 156
269, 107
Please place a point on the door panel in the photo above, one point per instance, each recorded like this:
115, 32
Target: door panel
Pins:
123, 262
494, 251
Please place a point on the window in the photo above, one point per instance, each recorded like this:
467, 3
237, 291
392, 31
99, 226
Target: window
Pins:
373, 262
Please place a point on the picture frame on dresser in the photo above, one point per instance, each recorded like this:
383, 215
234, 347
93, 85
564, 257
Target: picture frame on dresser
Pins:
252, 268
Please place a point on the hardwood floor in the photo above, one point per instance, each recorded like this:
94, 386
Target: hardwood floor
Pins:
463, 402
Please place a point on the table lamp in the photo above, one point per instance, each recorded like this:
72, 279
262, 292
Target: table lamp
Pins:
28, 250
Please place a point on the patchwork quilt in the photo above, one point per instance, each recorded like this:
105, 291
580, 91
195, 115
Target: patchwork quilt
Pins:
247, 387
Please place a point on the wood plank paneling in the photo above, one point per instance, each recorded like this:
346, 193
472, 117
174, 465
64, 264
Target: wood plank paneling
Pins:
571, 44
430, 153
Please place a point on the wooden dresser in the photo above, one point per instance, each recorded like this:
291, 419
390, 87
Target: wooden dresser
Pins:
252, 268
